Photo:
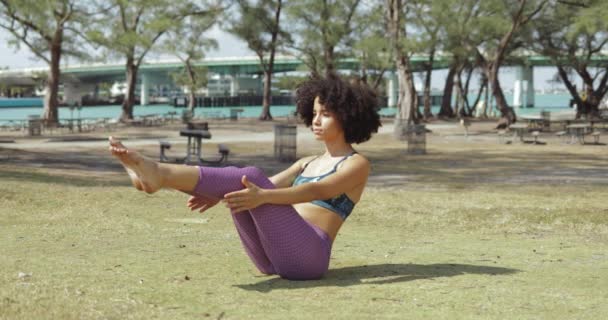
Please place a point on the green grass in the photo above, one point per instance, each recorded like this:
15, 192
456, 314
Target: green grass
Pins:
98, 249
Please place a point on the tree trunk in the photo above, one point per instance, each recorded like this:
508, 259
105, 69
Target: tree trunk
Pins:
427, 87
407, 101
129, 100
473, 110
446, 101
459, 98
328, 54
506, 112
266, 116
192, 90
51, 114
486, 104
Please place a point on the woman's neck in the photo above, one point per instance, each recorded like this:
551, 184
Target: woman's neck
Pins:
338, 148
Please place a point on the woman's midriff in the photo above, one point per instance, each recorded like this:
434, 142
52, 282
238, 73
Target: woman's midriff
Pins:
325, 219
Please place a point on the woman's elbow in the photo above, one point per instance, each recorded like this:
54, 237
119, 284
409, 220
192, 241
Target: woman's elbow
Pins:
320, 191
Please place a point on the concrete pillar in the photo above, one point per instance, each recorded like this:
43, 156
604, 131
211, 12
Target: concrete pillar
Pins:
234, 85
144, 97
523, 88
392, 89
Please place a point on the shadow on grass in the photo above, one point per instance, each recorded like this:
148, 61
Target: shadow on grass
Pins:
68, 180
378, 274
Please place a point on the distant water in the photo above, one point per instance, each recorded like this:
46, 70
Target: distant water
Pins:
549, 102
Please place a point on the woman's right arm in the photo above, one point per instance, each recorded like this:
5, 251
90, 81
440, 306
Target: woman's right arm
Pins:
285, 178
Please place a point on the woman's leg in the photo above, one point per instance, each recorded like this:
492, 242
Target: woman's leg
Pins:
294, 248
245, 226
147, 175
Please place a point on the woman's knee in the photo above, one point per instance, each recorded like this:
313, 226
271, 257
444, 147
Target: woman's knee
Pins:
257, 176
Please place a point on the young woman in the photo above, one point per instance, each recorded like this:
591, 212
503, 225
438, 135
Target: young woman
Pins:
288, 222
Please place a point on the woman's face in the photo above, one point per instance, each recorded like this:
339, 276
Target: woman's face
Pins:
325, 126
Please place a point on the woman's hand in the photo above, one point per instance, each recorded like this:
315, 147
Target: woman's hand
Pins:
246, 199
201, 203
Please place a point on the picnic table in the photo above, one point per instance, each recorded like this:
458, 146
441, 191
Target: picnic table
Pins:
74, 122
195, 137
519, 130
578, 131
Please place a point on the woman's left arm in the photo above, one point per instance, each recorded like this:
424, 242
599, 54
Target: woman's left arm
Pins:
353, 173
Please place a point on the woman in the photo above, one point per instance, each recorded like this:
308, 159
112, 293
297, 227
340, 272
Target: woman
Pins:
288, 222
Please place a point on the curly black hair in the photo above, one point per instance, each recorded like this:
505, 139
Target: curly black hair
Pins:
355, 105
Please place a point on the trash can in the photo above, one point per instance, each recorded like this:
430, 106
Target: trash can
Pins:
34, 125
285, 142
545, 117
234, 114
416, 139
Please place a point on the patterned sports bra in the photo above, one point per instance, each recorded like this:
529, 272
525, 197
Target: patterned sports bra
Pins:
341, 204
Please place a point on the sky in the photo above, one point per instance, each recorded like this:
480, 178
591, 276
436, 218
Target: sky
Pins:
230, 46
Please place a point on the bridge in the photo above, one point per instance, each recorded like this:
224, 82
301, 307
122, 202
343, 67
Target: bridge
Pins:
234, 75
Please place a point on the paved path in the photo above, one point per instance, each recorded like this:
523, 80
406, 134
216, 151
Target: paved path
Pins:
219, 136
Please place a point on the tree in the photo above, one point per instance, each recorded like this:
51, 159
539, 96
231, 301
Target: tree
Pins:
502, 27
459, 34
259, 26
131, 28
321, 26
407, 101
48, 29
371, 47
190, 47
572, 34
429, 17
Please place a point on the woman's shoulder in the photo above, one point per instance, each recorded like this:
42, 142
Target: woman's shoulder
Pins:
300, 163
360, 159
356, 161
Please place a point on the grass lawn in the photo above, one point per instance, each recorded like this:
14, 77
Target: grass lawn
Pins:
453, 242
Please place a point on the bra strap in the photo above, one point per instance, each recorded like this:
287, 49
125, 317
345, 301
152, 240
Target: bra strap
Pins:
341, 160
307, 163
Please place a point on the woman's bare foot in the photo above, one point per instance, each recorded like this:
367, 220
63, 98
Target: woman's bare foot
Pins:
134, 178
143, 172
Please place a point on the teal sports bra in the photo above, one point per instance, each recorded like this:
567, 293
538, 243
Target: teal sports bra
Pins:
341, 204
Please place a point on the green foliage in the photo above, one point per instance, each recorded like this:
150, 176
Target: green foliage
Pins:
370, 45
131, 28
255, 24
288, 82
188, 42
322, 30
195, 81
34, 24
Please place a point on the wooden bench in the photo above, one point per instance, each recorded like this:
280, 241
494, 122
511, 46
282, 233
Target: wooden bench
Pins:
596, 136
222, 149
164, 145
535, 134
502, 134
562, 135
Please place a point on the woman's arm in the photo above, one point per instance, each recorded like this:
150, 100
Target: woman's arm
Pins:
353, 173
285, 178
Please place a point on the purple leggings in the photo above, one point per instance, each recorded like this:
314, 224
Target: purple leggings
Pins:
276, 238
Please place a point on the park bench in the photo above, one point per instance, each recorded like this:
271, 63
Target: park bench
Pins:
596, 137
223, 150
535, 135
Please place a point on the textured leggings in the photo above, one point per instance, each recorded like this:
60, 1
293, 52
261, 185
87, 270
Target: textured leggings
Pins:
276, 238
